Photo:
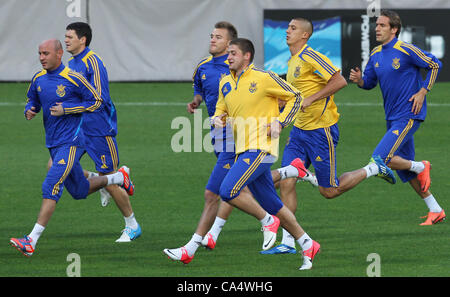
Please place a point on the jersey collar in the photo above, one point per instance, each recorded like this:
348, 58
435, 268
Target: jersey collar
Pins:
57, 70
300, 52
246, 70
82, 53
390, 44
220, 59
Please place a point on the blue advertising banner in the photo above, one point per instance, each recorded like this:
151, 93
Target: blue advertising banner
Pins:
347, 36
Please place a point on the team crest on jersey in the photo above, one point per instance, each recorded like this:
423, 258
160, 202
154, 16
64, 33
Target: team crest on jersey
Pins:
297, 72
377, 65
396, 63
253, 87
204, 76
60, 91
39, 88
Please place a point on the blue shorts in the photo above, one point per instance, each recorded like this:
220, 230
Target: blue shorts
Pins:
224, 162
104, 152
252, 169
399, 141
66, 172
316, 147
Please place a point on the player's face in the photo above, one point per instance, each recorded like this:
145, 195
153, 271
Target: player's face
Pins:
49, 57
236, 58
218, 43
294, 32
74, 45
384, 32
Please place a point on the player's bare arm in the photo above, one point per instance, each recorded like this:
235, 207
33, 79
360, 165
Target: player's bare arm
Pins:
336, 82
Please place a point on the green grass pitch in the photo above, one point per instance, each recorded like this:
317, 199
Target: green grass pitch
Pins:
375, 217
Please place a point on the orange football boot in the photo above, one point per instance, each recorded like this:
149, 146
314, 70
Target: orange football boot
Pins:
424, 177
433, 218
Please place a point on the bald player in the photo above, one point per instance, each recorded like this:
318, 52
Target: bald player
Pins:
63, 96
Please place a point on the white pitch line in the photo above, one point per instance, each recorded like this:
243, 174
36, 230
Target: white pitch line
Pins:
362, 104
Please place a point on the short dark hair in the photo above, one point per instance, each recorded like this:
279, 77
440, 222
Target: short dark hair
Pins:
245, 45
309, 24
394, 20
232, 32
82, 30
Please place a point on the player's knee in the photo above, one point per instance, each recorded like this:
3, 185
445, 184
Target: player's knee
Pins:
211, 197
287, 186
329, 193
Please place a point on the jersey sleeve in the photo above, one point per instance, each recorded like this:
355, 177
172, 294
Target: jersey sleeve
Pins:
369, 76
91, 100
96, 71
32, 97
221, 107
321, 63
280, 89
425, 60
197, 82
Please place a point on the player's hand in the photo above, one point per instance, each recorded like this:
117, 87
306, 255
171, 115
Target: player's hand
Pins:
191, 107
57, 110
356, 76
30, 113
305, 103
281, 104
219, 121
418, 99
274, 129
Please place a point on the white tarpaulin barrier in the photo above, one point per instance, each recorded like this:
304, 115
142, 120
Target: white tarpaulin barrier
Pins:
146, 40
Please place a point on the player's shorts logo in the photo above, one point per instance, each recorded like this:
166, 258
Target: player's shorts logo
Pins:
396, 63
60, 91
103, 158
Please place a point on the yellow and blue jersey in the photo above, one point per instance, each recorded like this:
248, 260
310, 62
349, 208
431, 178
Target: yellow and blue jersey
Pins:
102, 122
396, 66
250, 101
309, 71
75, 93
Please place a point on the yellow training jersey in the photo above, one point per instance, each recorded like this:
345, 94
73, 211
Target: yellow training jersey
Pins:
251, 103
309, 71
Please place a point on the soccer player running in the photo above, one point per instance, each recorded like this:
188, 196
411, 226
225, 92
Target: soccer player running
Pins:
206, 79
248, 97
396, 66
315, 135
63, 96
100, 127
